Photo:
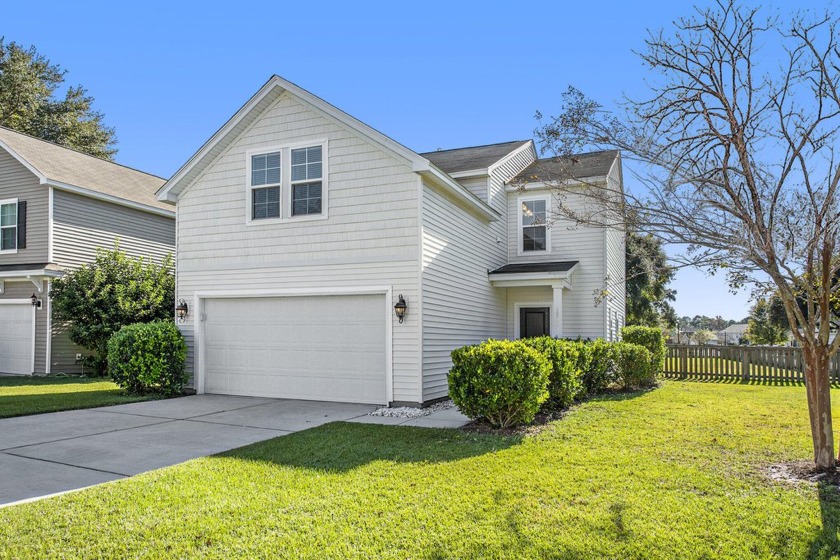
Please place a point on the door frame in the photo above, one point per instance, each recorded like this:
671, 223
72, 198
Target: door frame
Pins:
199, 319
20, 301
517, 307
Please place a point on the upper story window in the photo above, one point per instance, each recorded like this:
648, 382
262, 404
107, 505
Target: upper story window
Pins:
287, 183
307, 172
265, 186
533, 224
8, 225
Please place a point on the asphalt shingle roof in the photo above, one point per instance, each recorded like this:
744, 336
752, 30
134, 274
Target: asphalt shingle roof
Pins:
558, 266
474, 157
593, 164
81, 170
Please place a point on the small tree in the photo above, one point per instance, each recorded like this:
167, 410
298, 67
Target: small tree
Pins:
761, 329
115, 290
648, 276
738, 148
704, 336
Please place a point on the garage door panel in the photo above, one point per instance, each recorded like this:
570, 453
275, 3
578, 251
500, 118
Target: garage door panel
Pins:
321, 348
16, 338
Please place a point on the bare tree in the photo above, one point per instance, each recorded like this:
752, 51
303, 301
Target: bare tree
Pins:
736, 156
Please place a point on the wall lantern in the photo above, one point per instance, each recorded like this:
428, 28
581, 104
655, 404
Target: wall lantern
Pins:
400, 308
36, 303
182, 310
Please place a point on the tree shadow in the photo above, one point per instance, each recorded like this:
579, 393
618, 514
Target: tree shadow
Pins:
826, 543
343, 446
738, 381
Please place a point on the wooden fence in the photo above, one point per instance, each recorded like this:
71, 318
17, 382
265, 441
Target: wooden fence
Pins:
740, 363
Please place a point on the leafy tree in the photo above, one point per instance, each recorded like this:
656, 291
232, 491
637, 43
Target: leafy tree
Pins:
738, 154
704, 336
98, 299
29, 103
761, 329
648, 275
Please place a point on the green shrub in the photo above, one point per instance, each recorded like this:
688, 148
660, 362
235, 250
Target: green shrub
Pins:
502, 381
148, 358
633, 365
652, 339
564, 382
601, 371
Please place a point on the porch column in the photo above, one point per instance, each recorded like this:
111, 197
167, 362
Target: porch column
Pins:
555, 325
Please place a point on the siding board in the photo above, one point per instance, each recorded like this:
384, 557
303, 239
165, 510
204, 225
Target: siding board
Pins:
16, 181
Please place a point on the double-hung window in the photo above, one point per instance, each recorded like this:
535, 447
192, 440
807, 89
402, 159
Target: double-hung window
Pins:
307, 173
287, 183
8, 225
265, 186
534, 224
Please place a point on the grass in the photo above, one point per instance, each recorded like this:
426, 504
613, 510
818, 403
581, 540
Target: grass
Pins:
20, 396
673, 473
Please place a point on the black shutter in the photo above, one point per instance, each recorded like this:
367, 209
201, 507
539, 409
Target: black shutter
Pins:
21, 225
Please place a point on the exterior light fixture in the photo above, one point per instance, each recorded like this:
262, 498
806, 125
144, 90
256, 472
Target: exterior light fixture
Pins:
400, 308
182, 310
36, 303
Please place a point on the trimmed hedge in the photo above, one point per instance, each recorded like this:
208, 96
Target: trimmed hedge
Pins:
601, 371
652, 339
148, 358
564, 382
502, 381
633, 365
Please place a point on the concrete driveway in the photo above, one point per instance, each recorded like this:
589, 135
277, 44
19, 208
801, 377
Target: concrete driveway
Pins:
49, 453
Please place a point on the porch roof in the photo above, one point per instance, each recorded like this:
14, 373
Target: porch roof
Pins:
557, 274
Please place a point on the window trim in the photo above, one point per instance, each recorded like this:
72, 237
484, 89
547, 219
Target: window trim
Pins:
14, 201
286, 183
520, 234
293, 183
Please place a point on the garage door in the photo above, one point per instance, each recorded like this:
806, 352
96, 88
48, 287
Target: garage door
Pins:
16, 338
329, 348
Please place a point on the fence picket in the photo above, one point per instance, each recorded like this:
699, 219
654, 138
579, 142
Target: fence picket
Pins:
768, 364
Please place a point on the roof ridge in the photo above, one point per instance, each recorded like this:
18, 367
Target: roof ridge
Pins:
479, 146
82, 153
578, 155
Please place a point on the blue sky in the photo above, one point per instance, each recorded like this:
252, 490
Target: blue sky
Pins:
430, 75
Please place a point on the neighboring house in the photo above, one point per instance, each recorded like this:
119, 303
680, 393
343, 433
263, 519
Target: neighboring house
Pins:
300, 228
56, 207
732, 334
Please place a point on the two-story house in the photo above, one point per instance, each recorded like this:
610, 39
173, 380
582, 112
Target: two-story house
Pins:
323, 260
57, 206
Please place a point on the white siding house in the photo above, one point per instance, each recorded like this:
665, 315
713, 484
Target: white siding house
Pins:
300, 228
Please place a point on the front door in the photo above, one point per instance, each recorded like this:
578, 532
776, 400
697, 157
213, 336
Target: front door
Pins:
533, 321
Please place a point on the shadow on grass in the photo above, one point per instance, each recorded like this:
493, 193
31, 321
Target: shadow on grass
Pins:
340, 446
40, 380
826, 543
738, 381
24, 405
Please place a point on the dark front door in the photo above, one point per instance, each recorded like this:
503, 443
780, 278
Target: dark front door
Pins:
533, 321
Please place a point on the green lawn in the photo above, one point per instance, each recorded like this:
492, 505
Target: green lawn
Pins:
20, 396
672, 473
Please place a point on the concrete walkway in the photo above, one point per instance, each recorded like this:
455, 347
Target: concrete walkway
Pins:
46, 454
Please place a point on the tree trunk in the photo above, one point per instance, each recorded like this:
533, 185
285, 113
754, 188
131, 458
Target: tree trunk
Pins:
818, 388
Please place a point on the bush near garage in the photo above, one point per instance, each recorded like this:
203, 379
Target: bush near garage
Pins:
504, 382
148, 358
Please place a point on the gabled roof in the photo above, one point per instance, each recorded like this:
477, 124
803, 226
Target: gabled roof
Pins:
580, 166
270, 92
72, 170
472, 158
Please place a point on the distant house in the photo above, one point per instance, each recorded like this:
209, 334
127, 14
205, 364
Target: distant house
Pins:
733, 334
57, 206
323, 260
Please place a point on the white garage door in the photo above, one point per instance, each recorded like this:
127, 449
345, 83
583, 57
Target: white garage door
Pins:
16, 338
328, 348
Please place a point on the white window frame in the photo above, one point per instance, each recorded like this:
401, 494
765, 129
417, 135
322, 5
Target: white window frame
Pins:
519, 233
286, 183
17, 226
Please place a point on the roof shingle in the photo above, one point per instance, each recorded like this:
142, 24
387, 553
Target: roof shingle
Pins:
68, 166
593, 164
474, 157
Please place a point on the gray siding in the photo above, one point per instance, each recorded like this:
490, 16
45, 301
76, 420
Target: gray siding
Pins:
82, 224
476, 185
63, 359
24, 290
368, 239
16, 181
